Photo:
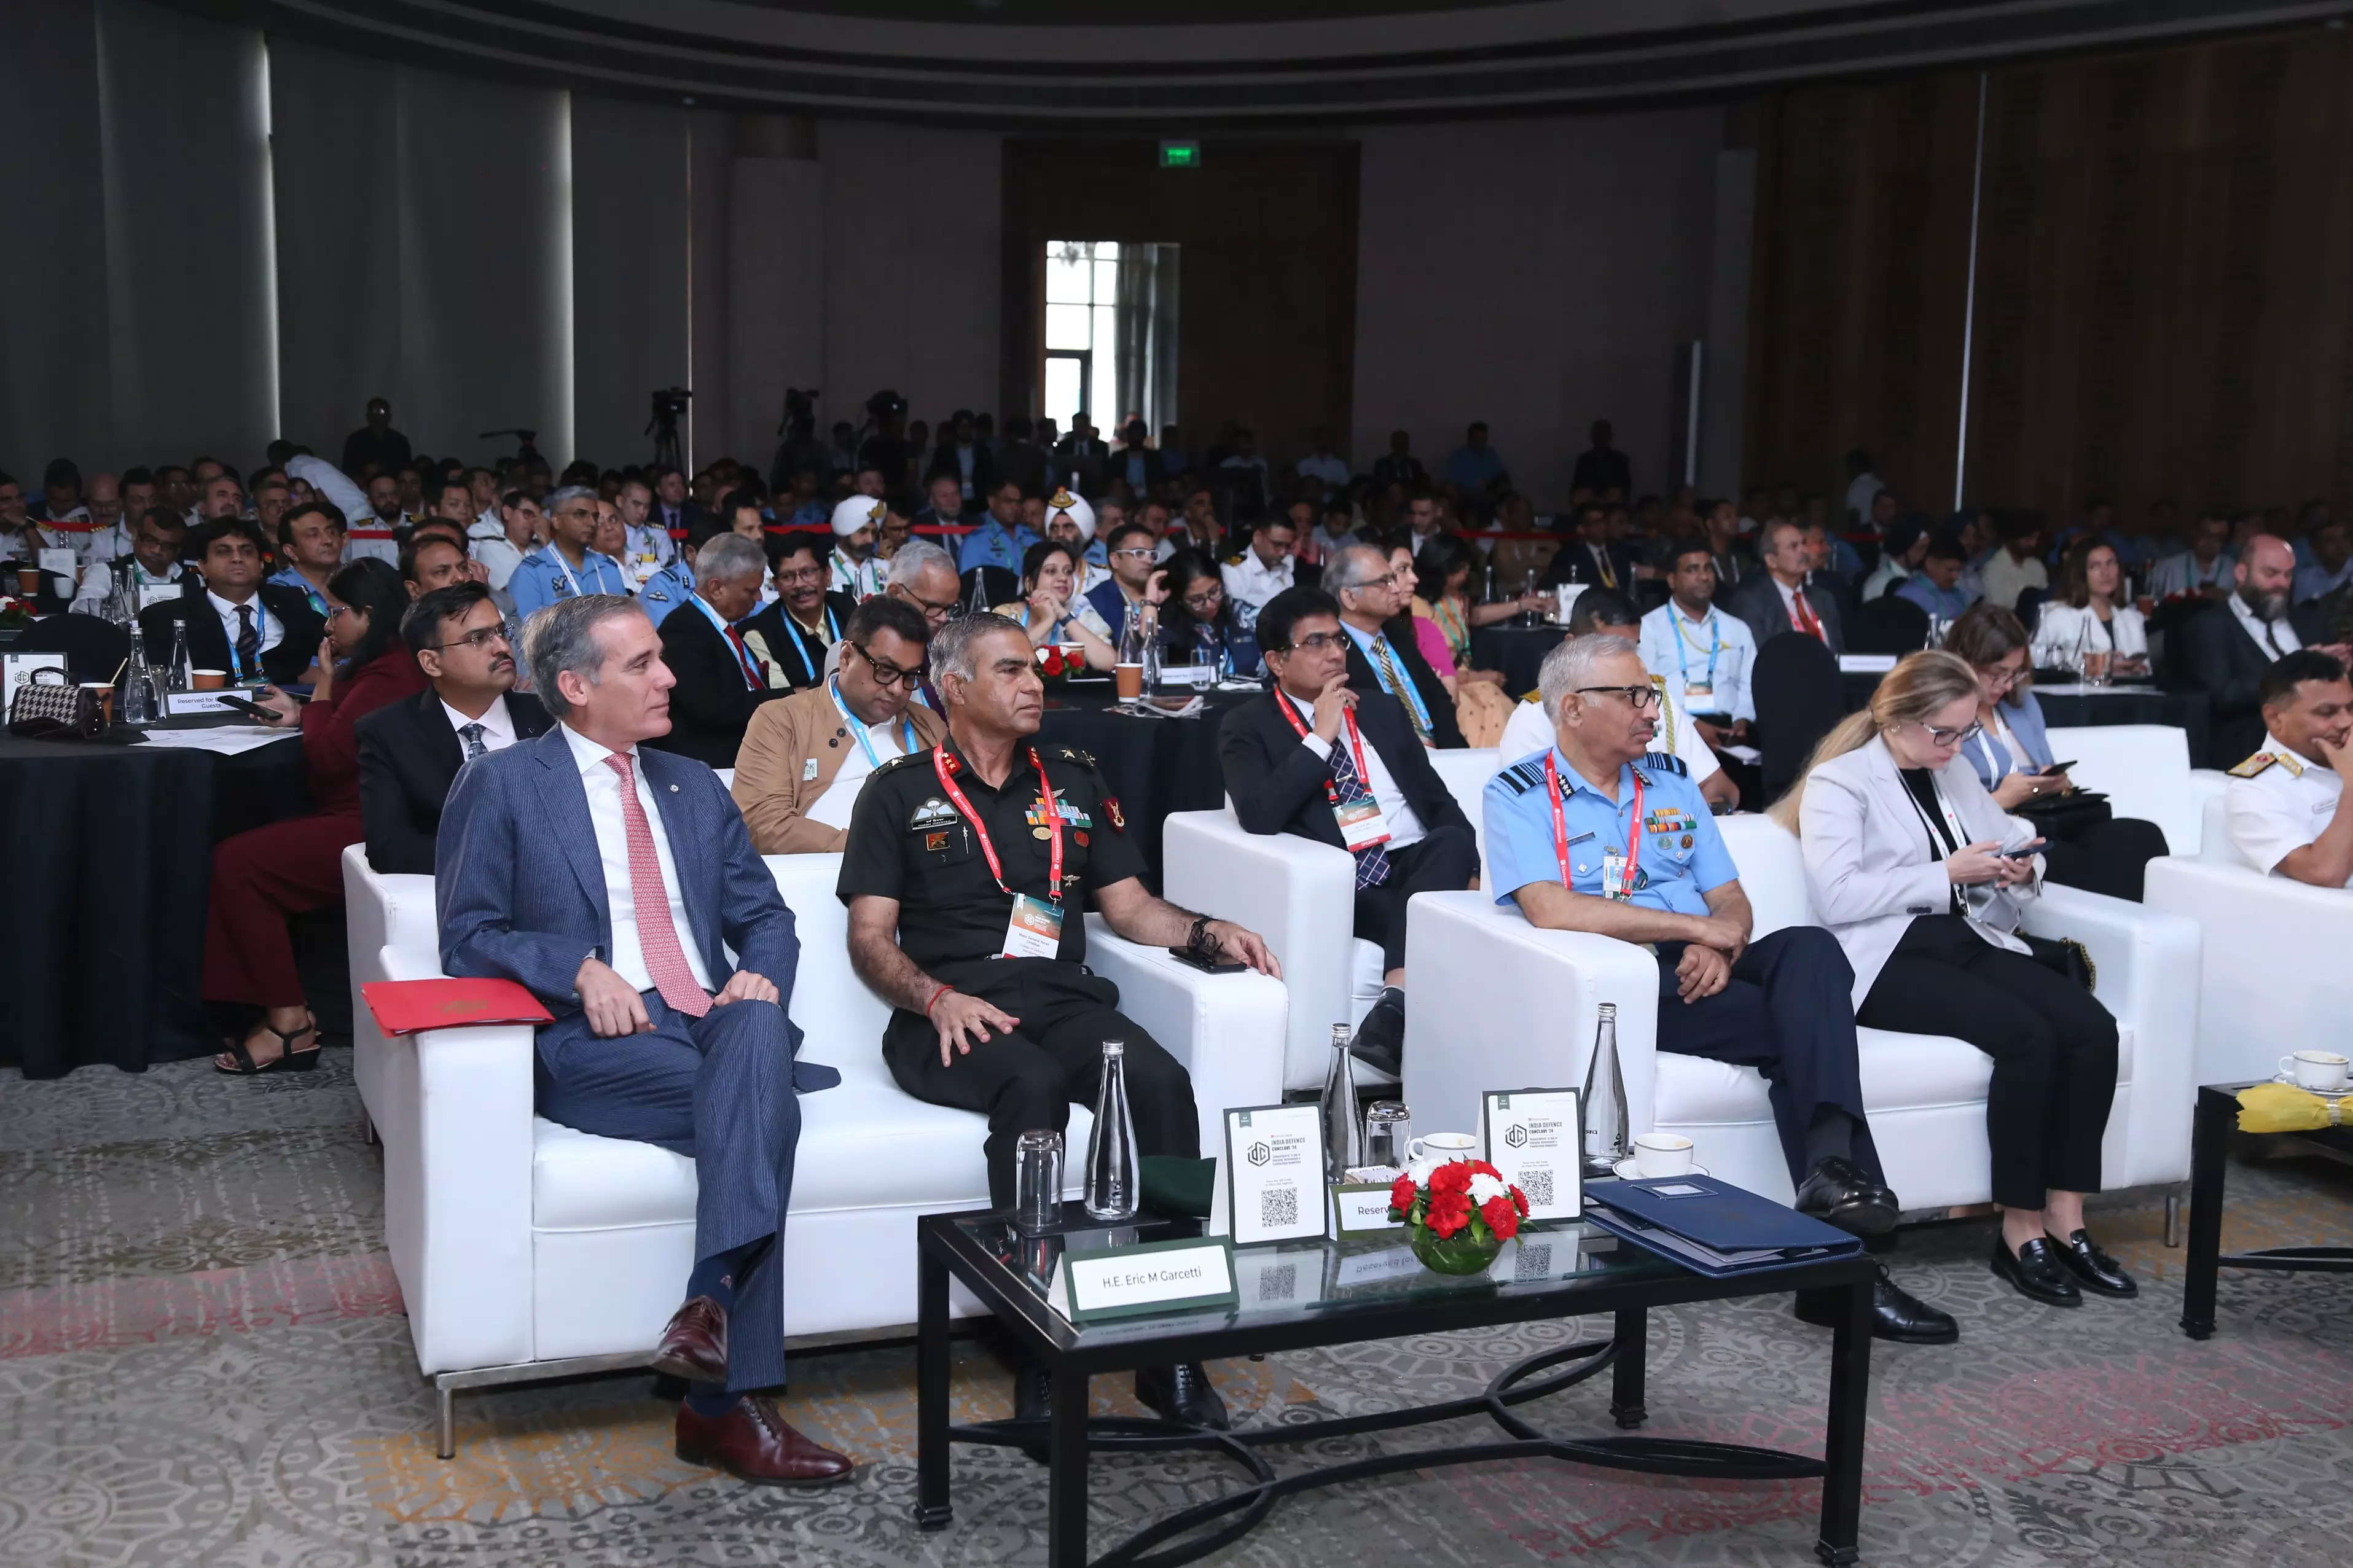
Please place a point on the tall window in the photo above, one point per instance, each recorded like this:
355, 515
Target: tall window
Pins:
1110, 332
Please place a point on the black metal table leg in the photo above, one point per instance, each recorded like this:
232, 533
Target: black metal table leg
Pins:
1066, 1462
2209, 1145
933, 1509
1632, 1335
1850, 1414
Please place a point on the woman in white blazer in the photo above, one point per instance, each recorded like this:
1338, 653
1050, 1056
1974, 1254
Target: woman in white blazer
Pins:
2088, 614
1923, 880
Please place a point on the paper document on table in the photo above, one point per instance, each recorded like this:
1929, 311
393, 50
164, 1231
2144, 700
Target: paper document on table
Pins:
227, 739
1748, 754
1168, 707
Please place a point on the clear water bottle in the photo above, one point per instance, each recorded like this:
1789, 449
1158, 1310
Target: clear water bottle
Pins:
1605, 1100
1336, 1105
977, 603
1113, 1189
137, 696
178, 678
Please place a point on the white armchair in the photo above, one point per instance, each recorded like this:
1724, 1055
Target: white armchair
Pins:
1301, 896
2144, 770
527, 1250
1496, 1002
2272, 976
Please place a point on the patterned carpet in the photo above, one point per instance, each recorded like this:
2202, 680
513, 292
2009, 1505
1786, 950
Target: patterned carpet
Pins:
203, 1362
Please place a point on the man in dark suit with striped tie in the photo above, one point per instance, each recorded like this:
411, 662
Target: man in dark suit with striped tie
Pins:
1378, 620
1321, 758
611, 881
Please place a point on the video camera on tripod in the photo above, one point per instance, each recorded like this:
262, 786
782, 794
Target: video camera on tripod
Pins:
669, 402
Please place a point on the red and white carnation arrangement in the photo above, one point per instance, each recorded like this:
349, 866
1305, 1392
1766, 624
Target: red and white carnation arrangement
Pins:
1460, 1196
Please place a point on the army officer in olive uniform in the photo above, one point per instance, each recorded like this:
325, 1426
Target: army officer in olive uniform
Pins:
967, 886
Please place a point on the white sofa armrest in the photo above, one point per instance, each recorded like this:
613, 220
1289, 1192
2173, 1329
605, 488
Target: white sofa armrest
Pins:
2146, 962
1228, 1029
1493, 1002
2272, 968
1298, 894
455, 1121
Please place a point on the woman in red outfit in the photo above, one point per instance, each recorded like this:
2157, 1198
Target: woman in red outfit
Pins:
261, 877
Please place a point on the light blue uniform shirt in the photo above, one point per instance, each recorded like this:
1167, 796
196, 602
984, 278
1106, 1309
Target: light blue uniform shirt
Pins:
542, 577
991, 546
666, 590
290, 578
1683, 855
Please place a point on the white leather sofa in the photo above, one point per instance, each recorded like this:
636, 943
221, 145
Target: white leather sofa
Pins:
525, 1249
2274, 975
2144, 770
1301, 896
1492, 1002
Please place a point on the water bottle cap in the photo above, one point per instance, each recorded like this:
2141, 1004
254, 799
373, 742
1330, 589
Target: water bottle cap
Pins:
1608, 1009
1115, 1048
1341, 1036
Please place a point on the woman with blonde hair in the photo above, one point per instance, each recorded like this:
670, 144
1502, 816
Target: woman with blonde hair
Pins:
1923, 880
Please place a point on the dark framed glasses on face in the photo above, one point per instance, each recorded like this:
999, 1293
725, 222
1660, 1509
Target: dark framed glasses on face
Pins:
1315, 642
477, 640
1204, 602
886, 674
1637, 697
1952, 737
801, 574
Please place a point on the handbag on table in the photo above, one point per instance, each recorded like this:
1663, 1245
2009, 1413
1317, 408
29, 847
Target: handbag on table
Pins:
50, 706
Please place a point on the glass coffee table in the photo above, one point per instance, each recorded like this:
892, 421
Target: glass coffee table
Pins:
1296, 1294
2211, 1124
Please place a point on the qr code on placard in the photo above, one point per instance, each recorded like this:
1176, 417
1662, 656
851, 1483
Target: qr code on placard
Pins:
1278, 1206
1277, 1284
1536, 1187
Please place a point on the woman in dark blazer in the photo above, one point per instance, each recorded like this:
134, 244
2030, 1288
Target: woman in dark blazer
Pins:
262, 878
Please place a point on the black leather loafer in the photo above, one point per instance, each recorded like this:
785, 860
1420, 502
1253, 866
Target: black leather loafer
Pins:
1838, 1194
1380, 1038
1183, 1395
2036, 1272
1896, 1314
2093, 1269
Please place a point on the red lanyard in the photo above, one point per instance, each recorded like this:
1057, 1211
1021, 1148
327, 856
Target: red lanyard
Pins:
1560, 829
941, 766
1355, 744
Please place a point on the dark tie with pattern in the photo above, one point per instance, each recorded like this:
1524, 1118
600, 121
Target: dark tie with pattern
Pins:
1373, 861
248, 642
474, 747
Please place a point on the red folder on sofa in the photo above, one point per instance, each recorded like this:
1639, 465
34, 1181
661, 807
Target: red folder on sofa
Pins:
409, 1006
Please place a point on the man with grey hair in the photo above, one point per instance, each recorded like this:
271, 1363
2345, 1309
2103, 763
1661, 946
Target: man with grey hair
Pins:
967, 872
721, 681
1588, 836
565, 566
655, 1035
1360, 577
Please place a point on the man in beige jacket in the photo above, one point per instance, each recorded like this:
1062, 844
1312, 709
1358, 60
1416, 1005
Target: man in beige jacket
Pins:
805, 757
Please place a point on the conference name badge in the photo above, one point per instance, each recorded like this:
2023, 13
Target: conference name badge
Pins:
1034, 928
1361, 826
1091, 1284
1532, 1137
153, 593
1274, 1174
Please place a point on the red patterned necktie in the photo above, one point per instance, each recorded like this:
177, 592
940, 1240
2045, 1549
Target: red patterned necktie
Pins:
753, 674
1807, 622
657, 938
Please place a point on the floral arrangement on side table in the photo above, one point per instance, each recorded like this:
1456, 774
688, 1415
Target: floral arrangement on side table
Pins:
1459, 1216
1054, 665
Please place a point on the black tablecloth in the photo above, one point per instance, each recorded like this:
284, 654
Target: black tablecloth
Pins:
108, 853
1154, 766
1517, 651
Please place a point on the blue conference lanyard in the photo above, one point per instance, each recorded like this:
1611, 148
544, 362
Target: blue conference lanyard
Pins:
800, 644
1412, 693
833, 689
1715, 645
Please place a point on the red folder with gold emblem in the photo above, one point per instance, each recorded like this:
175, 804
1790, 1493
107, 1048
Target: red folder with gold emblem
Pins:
410, 1006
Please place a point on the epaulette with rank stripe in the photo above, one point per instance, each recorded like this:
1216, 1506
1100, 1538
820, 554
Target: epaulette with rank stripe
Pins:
904, 760
2254, 766
1522, 777
1665, 762
1073, 754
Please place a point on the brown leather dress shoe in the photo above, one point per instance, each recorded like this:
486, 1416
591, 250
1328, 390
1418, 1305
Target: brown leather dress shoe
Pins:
753, 1443
694, 1345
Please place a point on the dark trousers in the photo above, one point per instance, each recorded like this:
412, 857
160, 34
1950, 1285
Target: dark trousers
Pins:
1786, 1012
261, 879
2110, 858
1028, 1079
718, 1089
1443, 862
2053, 1049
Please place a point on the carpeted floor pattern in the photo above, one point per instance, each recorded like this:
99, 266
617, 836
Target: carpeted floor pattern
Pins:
203, 1361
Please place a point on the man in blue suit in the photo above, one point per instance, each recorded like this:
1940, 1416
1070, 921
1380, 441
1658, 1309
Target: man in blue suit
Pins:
605, 878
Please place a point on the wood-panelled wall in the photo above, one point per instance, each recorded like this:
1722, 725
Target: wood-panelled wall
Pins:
2165, 280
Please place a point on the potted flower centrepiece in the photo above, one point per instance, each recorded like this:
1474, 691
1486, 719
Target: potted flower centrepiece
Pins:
1460, 1216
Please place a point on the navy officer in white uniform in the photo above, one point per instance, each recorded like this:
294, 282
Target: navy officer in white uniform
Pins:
1599, 834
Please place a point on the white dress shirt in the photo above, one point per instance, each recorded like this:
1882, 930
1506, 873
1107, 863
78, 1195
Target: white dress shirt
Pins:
1249, 582
2282, 639
498, 727
2064, 628
1405, 827
603, 785
2281, 809
98, 583
490, 545
1681, 649
271, 629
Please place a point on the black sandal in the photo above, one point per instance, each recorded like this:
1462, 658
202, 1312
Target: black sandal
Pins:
288, 1057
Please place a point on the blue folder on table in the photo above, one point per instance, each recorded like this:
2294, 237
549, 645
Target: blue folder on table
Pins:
1711, 1227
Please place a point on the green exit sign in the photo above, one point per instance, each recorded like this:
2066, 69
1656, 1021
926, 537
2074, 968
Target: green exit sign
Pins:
1180, 154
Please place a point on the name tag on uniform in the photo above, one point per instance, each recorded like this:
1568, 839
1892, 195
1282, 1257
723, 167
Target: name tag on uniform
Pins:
1035, 929
1698, 692
808, 770
1613, 877
1361, 825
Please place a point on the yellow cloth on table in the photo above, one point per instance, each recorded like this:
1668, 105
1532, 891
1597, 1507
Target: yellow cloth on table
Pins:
2284, 1107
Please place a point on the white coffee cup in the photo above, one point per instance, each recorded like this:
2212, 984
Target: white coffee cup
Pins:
1439, 1147
2317, 1069
1662, 1155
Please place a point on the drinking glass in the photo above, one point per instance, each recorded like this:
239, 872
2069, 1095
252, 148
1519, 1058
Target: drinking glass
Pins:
1036, 1181
1388, 1134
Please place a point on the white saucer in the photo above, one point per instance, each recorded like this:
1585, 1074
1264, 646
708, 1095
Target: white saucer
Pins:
1625, 1172
2289, 1078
